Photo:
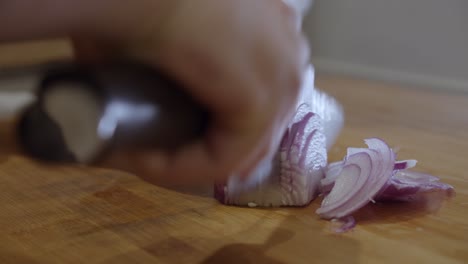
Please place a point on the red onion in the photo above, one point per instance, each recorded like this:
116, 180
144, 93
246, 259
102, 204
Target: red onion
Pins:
295, 173
299, 172
332, 172
292, 177
363, 175
369, 175
405, 185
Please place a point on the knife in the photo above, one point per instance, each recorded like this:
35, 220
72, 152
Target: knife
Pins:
80, 112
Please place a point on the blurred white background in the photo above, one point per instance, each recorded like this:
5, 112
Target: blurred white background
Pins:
421, 42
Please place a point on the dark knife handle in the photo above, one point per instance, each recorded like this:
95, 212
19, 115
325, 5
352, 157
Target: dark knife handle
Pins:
83, 111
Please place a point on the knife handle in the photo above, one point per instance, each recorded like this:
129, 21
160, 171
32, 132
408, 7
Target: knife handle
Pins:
84, 111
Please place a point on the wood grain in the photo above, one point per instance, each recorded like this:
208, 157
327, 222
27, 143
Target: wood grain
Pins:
83, 215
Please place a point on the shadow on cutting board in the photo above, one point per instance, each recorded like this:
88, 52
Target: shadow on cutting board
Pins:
294, 241
242, 253
251, 253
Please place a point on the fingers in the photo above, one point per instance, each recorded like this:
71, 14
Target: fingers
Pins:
245, 67
251, 83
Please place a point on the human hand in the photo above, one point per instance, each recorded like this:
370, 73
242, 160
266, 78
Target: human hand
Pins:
242, 59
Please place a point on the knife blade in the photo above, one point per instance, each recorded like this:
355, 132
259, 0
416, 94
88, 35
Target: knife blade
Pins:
74, 112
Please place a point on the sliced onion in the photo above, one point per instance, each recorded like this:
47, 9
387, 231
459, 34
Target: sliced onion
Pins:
374, 173
352, 151
355, 181
405, 185
332, 172
295, 174
350, 181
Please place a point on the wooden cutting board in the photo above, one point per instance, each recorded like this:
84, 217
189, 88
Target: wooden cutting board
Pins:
83, 215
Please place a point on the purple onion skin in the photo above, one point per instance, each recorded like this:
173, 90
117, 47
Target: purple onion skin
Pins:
399, 166
404, 165
348, 225
405, 189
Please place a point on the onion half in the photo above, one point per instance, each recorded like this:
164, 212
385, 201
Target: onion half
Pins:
294, 175
357, 187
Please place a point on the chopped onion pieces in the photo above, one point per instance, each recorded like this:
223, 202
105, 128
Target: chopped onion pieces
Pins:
369, 175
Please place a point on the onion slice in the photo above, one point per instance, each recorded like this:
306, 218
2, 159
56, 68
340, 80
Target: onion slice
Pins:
332, 172
375, 171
